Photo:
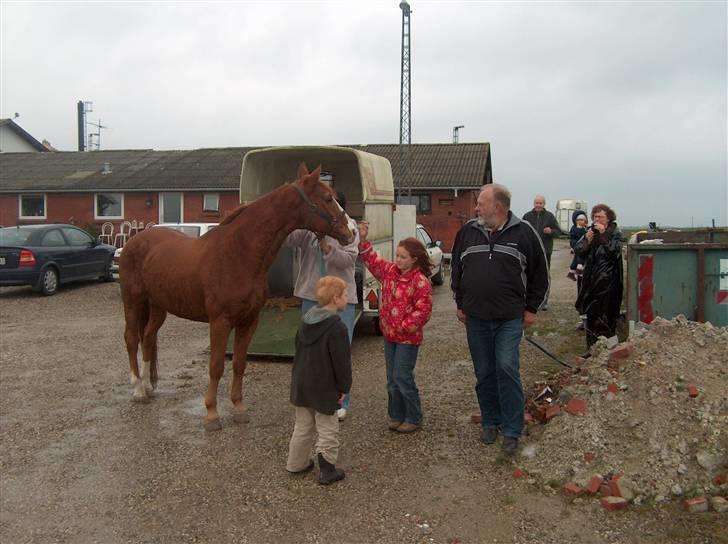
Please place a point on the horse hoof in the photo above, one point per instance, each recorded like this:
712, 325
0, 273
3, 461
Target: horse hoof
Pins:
241, 417
212, 424
140, 399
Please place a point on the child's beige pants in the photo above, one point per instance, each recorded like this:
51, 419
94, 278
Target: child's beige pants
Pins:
308, 423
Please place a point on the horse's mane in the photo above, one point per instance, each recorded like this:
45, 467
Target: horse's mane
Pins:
229, 218
233, 214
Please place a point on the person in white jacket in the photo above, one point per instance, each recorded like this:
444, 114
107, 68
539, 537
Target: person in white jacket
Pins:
327, 257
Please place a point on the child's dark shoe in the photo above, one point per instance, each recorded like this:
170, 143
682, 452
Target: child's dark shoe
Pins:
328, 473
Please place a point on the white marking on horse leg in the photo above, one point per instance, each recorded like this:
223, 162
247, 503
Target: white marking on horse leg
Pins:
146, 381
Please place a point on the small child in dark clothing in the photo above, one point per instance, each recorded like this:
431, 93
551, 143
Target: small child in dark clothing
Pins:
579, 220
320, 378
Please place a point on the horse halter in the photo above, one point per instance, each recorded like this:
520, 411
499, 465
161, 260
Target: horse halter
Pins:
313, 209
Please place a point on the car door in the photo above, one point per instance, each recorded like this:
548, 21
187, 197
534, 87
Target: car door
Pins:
54, 248
87, 258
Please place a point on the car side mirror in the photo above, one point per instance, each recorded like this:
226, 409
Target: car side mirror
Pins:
438, 243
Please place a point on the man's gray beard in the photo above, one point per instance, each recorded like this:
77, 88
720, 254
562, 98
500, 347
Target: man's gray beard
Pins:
483, 223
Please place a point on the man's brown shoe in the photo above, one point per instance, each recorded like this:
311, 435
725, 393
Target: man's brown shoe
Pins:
394, 424
407, 427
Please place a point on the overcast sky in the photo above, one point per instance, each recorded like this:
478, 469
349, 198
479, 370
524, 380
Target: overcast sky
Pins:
616, 102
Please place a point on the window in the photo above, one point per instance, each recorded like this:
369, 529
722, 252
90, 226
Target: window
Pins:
211, 202
77, 237
424, 237
32, 207
53, 238
109, 206
170, 207
423, 202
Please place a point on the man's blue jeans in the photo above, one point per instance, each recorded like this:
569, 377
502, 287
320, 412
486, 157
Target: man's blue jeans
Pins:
493, 346
347, 316
404, 398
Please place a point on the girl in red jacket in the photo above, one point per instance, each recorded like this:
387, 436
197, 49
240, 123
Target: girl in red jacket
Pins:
406, 307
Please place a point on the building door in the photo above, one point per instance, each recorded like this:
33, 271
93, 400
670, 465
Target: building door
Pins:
170, 208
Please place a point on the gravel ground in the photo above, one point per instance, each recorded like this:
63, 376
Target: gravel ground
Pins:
79, 462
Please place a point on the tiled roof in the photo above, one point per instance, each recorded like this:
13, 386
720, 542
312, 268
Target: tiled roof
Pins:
433, 165
437, 165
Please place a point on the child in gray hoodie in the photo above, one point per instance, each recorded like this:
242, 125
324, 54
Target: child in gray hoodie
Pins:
320, 378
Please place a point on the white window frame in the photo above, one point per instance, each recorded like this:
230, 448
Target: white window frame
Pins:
20, 206
105, 217
217, 202
160, 199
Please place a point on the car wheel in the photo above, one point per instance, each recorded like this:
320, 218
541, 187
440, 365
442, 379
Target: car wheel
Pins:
437, 279
108, 273
49, 282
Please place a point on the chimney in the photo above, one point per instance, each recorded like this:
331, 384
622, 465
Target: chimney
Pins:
81, 126
106, 169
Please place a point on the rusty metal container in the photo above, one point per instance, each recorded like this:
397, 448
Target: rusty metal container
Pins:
678, 272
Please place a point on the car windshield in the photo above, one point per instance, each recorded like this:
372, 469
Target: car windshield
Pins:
14, 236
188, 230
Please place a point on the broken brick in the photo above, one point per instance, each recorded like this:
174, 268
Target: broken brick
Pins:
579, 361
612, 388
605, 491
527, 418
613, 372
614, 503
614, 485
518, 474
622, 351
720, 478
692, 391
573, 489
552, 411
475, 418
576, 407
539, 414
696, 505
595, 483
588, 456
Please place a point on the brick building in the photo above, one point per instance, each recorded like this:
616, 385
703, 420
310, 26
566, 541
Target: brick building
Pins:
201, 185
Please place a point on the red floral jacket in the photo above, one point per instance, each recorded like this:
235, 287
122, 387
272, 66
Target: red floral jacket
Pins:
406, 298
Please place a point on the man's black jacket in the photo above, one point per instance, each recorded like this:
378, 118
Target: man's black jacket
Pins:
540, 221
497, 276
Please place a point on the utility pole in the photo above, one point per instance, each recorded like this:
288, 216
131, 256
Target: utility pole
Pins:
405, 103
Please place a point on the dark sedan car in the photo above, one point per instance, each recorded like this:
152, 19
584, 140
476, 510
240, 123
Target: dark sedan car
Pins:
45, 256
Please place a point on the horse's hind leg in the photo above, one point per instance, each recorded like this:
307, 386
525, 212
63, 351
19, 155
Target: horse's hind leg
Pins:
135, 316
149, 375
219, 333
243, 334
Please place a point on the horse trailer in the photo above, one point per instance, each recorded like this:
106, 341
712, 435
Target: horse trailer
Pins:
366, 182
564, 210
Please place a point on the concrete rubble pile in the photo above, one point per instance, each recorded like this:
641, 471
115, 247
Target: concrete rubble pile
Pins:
645, 421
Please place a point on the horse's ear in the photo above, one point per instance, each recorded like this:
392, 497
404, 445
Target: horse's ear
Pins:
302, 170
316, 174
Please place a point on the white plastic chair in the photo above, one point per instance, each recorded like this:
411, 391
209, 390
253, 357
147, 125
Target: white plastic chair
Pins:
123, 234
135, 227
150, 225
107, 232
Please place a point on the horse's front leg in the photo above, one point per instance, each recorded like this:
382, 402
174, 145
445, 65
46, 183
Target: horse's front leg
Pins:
243, 334
219, 332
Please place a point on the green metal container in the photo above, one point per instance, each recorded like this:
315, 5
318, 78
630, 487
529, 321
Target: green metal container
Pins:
675, 272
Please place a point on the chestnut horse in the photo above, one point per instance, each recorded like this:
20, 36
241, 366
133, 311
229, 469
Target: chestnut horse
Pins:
219, 278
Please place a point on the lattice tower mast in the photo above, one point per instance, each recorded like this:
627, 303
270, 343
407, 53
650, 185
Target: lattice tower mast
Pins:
405, 102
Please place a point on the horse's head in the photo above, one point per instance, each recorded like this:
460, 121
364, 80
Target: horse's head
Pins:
320, 211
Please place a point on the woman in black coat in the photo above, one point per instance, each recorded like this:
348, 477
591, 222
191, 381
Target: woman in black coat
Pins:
600, 296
